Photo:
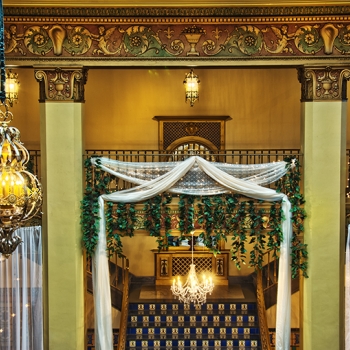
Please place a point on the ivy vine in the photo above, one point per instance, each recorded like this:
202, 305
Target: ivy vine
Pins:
157, 218
186, 213
290, 185
90, 208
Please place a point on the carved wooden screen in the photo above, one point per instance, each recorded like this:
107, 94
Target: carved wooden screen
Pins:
185, 136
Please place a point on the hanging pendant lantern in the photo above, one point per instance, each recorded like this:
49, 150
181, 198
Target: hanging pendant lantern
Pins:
11, 87
191, 83
20, 191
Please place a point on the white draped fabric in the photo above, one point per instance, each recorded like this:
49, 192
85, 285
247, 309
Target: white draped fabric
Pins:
21, 313
347, 292
194, 176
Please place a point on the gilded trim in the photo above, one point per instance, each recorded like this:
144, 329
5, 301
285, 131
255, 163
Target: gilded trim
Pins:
178, 20
178, 11
192, 139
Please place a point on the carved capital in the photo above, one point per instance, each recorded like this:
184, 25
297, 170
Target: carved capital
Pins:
323, 83
61, 84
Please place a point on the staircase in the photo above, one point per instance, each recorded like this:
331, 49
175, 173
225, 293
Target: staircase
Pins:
228, 325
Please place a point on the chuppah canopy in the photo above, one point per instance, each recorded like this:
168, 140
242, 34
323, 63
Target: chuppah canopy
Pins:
194, 176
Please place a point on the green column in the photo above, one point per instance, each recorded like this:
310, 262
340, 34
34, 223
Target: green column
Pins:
61, 114
323, 112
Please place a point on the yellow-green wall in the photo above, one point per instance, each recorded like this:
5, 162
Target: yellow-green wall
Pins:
264, 105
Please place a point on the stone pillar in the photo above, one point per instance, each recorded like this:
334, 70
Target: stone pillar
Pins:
61, 112
323, 113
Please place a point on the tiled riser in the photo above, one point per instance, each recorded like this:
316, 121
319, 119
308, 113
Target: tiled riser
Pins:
185, 327
182, 308
197, 347
186, 343
195, 332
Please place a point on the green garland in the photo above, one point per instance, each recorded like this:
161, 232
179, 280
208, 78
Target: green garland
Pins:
186, 213
248, 221
157, 217
212, 216
90, 208
289, 185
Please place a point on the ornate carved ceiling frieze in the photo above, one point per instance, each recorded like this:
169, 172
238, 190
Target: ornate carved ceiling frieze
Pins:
117, 34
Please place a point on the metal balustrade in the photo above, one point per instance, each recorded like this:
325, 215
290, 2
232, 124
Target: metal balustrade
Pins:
248, 156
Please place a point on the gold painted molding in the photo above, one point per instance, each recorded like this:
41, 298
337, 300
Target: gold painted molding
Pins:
171, 3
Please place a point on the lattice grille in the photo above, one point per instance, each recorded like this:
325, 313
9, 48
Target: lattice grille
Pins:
173, 131
181, 266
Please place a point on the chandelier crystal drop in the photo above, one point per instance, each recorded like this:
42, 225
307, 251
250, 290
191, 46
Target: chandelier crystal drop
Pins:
193, 291
20, 191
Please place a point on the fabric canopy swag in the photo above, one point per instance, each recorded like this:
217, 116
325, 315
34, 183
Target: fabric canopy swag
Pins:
193, 176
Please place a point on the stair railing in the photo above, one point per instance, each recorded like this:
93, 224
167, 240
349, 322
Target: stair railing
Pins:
264, 329
125, 307
266, 279
271, 269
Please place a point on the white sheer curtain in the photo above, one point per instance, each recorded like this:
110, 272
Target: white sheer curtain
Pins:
347, 292
21, 316
194, 176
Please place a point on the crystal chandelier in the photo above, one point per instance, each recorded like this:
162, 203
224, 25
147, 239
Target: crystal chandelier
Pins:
192, 291
20, 191
191, 83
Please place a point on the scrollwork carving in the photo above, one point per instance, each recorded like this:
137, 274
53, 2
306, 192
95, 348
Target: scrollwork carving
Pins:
323, 83
61, 85
158, 40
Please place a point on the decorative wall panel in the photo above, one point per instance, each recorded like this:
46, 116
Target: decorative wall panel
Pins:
208, 130
172, 129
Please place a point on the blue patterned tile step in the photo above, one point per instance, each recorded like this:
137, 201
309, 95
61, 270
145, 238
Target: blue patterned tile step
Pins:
191, 331
179, 307
197, 348
195, 343
188, 327
173, 319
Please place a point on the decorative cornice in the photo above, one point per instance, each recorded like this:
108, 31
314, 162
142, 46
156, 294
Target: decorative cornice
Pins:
177, 20
61, 84
323, 83
314, 33
176, 41
177, 11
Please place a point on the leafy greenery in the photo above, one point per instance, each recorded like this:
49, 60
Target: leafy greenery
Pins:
90, 208
254, 226
186, 213
157, 217
290, 185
